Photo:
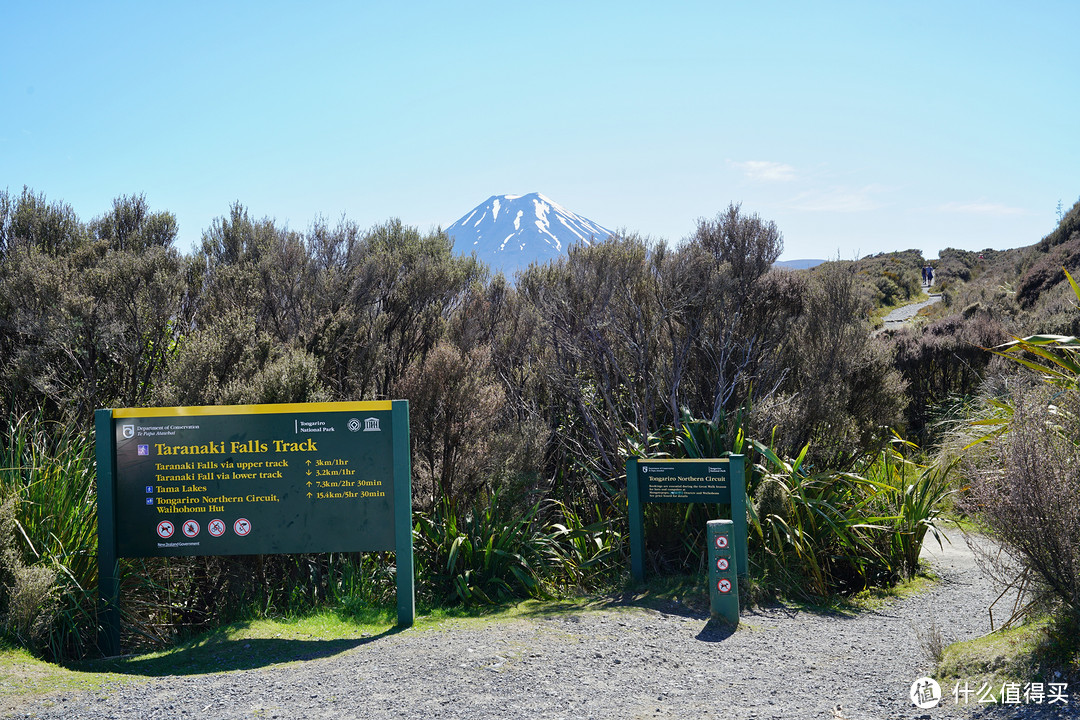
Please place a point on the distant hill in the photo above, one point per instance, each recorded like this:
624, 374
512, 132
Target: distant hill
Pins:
508, 232
797, 264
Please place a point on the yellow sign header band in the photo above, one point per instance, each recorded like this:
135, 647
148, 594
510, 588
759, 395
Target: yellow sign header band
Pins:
361, 406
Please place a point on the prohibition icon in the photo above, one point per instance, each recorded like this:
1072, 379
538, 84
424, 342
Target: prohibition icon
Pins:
722, 564
724, 586
216, 528
722, 542
242, 527
191, 528
165, 529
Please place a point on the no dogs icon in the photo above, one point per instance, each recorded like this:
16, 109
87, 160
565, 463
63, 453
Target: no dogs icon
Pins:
724, 586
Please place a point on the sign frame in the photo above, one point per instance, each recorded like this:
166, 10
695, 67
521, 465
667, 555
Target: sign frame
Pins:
694, 489
109, 546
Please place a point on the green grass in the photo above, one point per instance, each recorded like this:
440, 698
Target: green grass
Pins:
23, 677
249, 645
1044, 650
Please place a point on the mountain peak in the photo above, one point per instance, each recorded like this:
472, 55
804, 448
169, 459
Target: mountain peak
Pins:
508, 232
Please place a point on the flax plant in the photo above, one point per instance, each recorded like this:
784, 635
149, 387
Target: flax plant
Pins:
49, 472
491, 554
915, 496
819, 529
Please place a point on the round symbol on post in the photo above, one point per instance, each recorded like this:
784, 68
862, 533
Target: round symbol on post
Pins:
724, 586
241, 527
216, 528
722, 564
191, 528
165, 529
721, 542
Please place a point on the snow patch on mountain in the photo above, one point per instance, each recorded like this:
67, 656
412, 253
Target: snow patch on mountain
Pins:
540, 229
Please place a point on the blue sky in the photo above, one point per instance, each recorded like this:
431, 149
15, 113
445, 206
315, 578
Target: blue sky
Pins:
858, 127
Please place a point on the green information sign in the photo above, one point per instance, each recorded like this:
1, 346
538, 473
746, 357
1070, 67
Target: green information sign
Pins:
709, 480
682, 481
256, 479
309, 479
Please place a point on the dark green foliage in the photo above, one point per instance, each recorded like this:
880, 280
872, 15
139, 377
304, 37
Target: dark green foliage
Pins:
841, 390
1049, 271
84, 324
490, 554
749, 244
454, 404
48, 537
892, 278
29, 221
943, 361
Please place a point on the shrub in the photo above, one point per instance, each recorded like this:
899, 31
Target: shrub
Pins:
1026, 487
1023, 473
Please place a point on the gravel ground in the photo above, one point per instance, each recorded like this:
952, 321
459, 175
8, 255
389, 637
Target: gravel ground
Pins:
618, 662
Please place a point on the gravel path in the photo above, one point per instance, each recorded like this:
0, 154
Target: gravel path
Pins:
616, 662
901, 315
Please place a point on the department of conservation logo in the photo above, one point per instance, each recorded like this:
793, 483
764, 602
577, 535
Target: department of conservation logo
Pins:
129, 431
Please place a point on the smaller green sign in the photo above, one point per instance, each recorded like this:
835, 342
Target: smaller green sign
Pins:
719, 481
683, 481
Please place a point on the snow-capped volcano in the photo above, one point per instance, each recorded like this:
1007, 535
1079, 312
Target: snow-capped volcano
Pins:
510, 231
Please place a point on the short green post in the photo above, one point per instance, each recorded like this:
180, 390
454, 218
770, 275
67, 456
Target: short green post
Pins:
723, 571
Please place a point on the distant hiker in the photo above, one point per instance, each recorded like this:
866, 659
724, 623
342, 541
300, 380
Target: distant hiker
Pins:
929, 276
926, 275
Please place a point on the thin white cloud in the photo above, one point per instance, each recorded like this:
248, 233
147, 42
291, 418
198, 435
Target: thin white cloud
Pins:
838, 199
981, 208
765, 170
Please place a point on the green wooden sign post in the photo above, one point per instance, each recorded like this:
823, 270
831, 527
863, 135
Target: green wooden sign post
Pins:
252, 480
717, 480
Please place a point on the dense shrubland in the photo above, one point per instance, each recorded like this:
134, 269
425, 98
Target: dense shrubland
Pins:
526, 397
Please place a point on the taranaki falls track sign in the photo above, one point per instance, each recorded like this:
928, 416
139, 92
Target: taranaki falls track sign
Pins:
256, 479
